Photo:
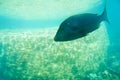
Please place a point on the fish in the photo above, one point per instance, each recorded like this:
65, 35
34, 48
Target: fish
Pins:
79, 25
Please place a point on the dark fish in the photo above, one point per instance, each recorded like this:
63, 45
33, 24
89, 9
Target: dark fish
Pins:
78, 26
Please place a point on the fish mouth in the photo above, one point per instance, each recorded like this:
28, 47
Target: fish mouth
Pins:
63, 38
59, 36
55, 39
58, 39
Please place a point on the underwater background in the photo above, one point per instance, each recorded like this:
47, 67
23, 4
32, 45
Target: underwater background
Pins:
28, 50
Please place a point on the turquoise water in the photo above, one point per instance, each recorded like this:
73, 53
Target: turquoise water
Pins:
28, 50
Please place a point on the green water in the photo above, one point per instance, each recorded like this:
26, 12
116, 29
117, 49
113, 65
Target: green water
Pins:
28, 50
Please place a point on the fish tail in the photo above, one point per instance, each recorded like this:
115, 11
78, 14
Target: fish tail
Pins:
104, 14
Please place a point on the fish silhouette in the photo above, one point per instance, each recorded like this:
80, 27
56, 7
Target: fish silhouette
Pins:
78, 26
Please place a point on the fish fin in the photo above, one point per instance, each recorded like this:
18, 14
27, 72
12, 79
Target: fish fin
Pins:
104, 14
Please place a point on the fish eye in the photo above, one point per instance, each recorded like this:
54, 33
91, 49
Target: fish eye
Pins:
68, 23
74, 28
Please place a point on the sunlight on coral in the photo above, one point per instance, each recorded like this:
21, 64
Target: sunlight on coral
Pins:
33, 55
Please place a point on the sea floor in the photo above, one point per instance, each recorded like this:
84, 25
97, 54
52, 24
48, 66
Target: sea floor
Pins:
34, 55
